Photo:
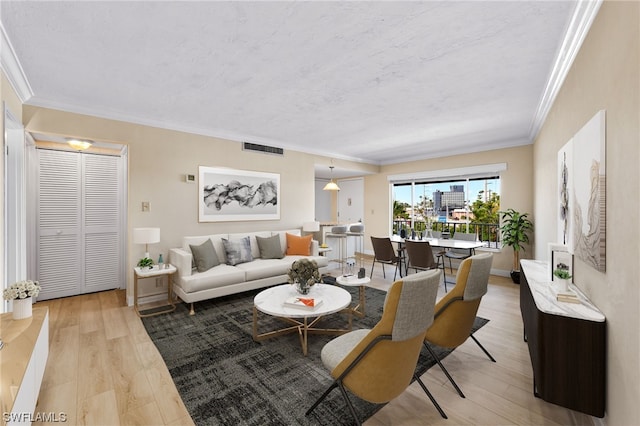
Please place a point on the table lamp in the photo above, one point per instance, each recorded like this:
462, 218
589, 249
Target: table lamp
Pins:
311, 226
146, 236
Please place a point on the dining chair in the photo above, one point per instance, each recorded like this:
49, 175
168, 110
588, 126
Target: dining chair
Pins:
460, 254
456, 311
377, 364
384, 254
420, 256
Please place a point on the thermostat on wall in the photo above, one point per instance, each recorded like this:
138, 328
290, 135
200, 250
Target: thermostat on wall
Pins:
190, 178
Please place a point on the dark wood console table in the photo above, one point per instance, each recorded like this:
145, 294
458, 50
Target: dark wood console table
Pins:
567, 343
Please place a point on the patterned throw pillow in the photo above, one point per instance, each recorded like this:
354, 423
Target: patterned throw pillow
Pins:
270, 247
238, 251
204, 256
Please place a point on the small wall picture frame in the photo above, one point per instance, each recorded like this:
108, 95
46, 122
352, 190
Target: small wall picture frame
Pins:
559, 258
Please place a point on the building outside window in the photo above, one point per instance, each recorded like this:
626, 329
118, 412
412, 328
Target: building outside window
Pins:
468, 204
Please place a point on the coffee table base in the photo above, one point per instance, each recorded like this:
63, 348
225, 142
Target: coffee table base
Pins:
302, 327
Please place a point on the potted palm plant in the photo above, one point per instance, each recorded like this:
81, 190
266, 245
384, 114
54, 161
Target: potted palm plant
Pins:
515, 230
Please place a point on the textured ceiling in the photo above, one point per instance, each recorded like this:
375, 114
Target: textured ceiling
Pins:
379, 82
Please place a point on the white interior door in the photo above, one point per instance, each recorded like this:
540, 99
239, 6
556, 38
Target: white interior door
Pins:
351, 200
79, 223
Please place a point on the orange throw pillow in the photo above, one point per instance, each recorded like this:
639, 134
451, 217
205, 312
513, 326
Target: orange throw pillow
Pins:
298, 245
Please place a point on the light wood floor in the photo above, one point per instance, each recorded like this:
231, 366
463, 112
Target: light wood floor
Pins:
104, 370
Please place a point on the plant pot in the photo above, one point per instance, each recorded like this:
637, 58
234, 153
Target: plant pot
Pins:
21, 308
563, 285
515, 277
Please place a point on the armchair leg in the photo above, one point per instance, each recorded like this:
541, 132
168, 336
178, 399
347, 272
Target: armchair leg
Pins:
191, 310
322, 397
433, 400
483, 349
444, 370
349, 404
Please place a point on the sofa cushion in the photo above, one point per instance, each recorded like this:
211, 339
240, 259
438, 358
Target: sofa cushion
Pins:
265, 268
218, 276
299, 245
237, 251
204, 256
270, 247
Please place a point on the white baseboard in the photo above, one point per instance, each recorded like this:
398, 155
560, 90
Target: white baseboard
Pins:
500, 272
148, 299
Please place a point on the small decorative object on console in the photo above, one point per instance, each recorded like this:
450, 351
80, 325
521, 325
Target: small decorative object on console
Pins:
22, 290
21, 294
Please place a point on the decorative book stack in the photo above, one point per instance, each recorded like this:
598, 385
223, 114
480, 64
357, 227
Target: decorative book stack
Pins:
568, 297
303, 302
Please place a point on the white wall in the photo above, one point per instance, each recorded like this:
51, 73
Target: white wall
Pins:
324, 211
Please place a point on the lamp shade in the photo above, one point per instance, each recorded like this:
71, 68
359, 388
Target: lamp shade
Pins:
146, 235
79, 145
311, 226
331, 186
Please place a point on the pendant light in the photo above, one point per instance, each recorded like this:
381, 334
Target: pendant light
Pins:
80, 145
331, 186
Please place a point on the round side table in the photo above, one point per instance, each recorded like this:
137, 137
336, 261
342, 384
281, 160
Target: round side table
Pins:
353, 281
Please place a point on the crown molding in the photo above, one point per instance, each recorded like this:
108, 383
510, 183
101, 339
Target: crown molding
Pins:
13, 70
579, 25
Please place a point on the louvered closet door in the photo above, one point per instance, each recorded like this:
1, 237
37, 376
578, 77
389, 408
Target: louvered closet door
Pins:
79, 217
101, 222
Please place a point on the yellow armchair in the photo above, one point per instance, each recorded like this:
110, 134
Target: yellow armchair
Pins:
378, 364
456, 311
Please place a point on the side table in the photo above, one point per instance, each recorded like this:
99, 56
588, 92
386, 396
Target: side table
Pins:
352, 281
322, 251
150, 273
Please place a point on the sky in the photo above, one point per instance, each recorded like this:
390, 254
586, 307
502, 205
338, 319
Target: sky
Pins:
403, 193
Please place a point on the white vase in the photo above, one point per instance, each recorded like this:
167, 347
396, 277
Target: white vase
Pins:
22, 308
563, 285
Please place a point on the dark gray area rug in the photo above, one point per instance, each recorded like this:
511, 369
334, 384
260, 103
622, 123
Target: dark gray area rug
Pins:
225, 378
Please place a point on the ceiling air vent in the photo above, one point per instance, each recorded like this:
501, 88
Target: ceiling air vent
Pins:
248, 146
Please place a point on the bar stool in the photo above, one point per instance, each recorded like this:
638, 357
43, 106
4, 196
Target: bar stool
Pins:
357, 230
339, 234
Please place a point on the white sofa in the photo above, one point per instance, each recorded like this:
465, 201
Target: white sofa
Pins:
221, 280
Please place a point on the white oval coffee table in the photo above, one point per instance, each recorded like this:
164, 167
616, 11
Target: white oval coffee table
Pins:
272, 302
361, 283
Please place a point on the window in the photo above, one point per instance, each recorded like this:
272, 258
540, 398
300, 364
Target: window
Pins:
460, 200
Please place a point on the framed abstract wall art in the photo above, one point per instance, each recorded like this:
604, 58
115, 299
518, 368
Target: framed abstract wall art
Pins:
582, 193
226, 195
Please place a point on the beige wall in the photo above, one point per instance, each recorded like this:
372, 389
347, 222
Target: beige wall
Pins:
605, 76
158, 160
515, 192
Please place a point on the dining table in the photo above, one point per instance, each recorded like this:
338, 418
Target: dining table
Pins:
444, 243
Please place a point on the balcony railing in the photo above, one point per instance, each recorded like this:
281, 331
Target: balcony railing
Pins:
486, 232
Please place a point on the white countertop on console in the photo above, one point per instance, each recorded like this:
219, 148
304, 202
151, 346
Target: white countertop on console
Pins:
544, 293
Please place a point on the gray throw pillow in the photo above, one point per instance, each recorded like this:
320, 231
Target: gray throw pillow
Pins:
270, 247
204, 256
238, 251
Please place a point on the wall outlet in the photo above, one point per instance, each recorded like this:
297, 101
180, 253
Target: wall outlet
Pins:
145, 206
